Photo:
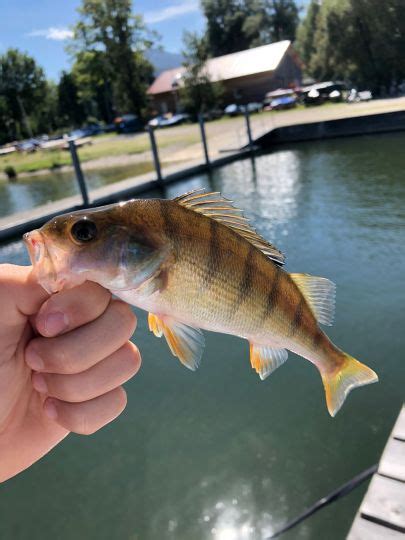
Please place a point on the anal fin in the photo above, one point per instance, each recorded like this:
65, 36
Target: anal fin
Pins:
185, 342
265, 359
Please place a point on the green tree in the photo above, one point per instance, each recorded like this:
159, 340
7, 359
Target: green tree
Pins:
46, 118
305, 43
197, 93
70, 109
282, 18
115, 39
361, 41
235, 25
6, 131
23, 88
91, 74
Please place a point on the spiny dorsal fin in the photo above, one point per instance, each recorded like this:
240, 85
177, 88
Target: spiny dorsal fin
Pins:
215, 206
320, 294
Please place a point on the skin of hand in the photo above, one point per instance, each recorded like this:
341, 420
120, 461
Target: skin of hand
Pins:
63, 359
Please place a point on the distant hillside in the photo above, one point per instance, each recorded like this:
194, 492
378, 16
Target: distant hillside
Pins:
162, 60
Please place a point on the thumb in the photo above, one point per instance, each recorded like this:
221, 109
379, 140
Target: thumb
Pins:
20, 294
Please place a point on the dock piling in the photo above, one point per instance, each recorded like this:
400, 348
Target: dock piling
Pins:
248, 128
79, 174
204, 139
155, 154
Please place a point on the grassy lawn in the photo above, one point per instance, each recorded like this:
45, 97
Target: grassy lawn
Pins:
186, 135
102, 146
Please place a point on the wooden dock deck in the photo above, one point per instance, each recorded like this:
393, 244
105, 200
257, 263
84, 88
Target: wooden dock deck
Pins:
382, 513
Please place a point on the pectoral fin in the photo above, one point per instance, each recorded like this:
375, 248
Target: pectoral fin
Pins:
185, 342
265, 359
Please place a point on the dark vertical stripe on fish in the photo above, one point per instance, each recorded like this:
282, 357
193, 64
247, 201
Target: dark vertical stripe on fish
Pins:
317, 339
272, 296
214, 254
169, 224
246, 281
296, 322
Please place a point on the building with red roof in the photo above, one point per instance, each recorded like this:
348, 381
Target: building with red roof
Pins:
246, 75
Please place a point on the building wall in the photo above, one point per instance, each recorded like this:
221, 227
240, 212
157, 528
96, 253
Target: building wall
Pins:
163, 103
245, 89
254, 87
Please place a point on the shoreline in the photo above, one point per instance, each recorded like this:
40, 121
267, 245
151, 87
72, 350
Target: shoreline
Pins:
182, 143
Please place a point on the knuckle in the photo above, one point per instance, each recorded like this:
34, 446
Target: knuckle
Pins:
64, 387
57, 356
124, 314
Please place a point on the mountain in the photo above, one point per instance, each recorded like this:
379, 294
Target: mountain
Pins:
162, 60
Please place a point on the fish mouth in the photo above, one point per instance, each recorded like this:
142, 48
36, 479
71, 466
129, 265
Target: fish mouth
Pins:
43, 266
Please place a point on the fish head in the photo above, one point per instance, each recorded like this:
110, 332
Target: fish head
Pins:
96, 245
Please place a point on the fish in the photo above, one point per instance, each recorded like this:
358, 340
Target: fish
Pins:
195, 263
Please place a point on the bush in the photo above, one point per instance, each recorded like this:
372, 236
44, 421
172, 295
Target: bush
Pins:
10, 172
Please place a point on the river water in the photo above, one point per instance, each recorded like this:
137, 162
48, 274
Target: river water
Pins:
218, 454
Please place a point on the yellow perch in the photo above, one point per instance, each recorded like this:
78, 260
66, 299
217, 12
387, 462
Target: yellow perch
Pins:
195, 263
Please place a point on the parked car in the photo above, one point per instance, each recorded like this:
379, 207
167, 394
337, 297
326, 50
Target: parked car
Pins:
253, 107
92, 129
283, 98
77, 134
30, 145
128, 123
317, 94
355, 96
213, 114
168, 120
233, 109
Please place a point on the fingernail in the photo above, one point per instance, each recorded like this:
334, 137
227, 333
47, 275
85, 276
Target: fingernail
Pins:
55, 323
39, 383
50, 409
33, 359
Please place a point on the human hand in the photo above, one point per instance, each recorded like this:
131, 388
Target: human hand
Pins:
63, 360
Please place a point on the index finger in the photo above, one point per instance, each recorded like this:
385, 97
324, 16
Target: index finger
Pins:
72, 308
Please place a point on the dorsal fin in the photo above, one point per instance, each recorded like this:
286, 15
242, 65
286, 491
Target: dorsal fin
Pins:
215, 206
320, 294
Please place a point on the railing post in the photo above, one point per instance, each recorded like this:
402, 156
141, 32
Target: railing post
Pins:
79, 174
204, 139
248, 130
155, 154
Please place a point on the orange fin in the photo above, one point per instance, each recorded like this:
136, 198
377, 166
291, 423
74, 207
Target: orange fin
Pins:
217, 207
185, 342
338, 384
265, 359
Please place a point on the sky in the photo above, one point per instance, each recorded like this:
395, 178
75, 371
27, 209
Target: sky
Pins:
41, 27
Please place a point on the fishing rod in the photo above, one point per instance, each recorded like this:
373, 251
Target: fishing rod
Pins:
341, 491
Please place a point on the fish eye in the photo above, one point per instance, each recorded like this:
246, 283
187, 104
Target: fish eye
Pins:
84, 231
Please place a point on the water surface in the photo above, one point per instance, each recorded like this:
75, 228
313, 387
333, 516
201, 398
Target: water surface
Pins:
218, 454
32, 191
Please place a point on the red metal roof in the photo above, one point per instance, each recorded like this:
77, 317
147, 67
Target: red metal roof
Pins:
230, 66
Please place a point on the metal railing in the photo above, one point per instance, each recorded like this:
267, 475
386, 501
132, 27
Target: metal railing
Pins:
238, 141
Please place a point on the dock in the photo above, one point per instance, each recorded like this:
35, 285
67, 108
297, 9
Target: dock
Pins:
382, 513
331, 123
14, 225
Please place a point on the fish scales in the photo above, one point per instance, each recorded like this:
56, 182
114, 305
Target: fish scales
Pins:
213, 266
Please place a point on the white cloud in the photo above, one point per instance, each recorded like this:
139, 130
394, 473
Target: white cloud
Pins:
58, 34
171, 12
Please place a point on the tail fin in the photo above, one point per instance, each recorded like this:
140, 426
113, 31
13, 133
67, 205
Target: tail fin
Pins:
337, 385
